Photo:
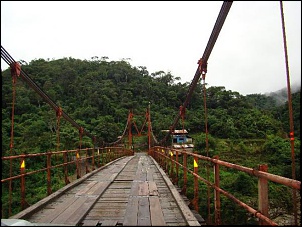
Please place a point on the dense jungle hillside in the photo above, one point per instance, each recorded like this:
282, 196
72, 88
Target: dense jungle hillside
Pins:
98, 95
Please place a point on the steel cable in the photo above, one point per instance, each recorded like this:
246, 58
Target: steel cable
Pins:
9, 60
214, 35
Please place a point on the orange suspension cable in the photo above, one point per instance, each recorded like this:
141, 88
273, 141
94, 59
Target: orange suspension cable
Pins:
291, 121
15, 72
203, 71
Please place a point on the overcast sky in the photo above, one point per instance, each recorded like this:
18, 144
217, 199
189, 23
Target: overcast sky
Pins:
248, 56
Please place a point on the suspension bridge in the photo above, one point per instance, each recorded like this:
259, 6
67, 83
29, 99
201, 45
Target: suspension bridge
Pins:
115, 185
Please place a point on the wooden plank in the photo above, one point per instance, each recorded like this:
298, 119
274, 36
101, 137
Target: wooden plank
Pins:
79, 213
108, 223
103, 176
141, 174
134, 188
143, 215
113, 176
99, 188
115, 195
156, 213
150, 174
143, 188
122, 185
118, 204
153, 191
105, 212
187, 213
108, 199
59, 209
124, 191
86, 188
125, 177
37, 207
130, 218
69, 211
114, 209
92, 222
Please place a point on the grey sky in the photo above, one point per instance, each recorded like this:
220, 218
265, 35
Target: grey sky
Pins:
248, 55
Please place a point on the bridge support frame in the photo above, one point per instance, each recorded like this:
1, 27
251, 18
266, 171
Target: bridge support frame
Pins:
217, 194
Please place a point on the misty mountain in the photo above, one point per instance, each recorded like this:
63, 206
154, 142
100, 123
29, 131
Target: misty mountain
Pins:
280, 96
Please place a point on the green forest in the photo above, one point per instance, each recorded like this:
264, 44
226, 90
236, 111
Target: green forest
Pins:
244, 129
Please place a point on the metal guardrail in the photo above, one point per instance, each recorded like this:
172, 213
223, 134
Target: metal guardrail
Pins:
73, 163
171, 160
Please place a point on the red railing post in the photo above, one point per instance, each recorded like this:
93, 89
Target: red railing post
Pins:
172, 164
98, 160
49, 173
195, 200
109, 155
102, 156
23, 184
77, 164
166, 161
65, 168
92, 160
86, 160
159, 156
263, 194
162, 163
177, 169
217, 193
185, 164
154, 155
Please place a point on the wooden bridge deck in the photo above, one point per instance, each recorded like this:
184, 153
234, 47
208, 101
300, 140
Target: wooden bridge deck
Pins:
131, 191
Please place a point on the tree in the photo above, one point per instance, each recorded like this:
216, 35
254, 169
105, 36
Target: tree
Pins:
200, 144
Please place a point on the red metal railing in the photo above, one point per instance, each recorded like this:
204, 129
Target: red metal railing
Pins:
74, 163
172, 159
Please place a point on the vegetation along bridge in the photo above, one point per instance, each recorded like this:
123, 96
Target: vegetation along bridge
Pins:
118, 183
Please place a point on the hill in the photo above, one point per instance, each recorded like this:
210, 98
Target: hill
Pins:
98, 95
281, 96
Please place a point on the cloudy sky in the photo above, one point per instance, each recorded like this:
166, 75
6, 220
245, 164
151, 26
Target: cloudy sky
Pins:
248, 56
